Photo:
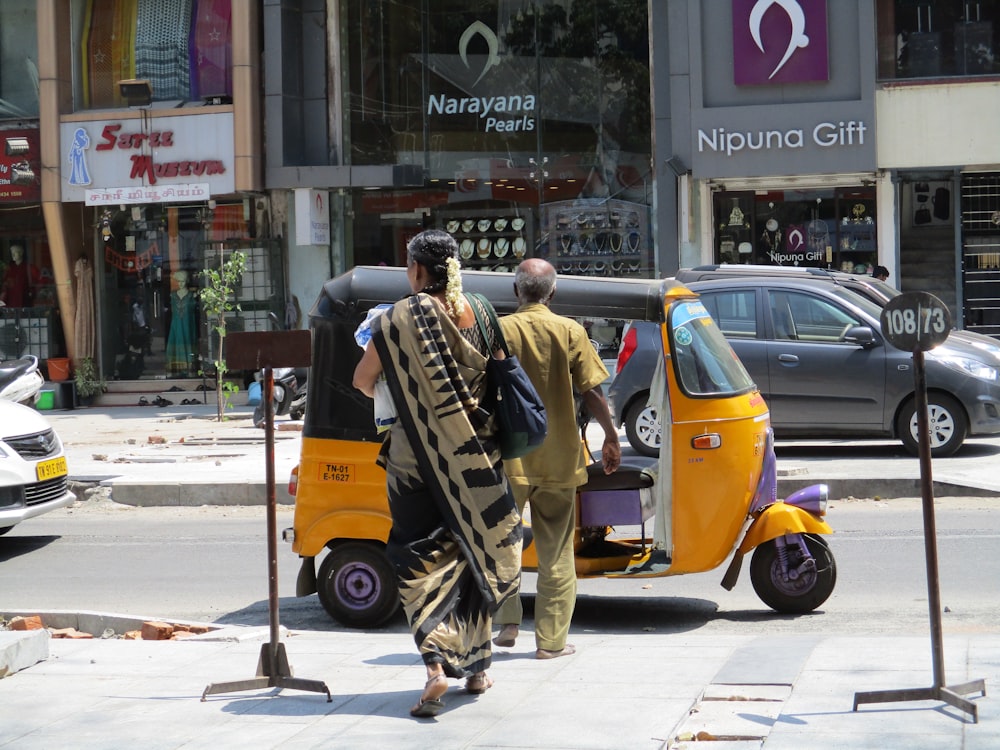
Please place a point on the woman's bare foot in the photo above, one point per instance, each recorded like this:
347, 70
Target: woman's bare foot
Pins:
430, 701
478, 684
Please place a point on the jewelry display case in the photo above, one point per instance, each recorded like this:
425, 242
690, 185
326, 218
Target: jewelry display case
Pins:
856, 236
495, 240
597, 238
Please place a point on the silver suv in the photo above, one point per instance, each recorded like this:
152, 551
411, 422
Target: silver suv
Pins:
816, 351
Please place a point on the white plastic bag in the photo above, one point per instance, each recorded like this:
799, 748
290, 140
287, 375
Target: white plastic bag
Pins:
385, 409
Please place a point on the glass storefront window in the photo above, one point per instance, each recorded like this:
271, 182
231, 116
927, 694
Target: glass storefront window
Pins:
832, 229
18, 59
937, 38
152, 325
530, 119
185, 55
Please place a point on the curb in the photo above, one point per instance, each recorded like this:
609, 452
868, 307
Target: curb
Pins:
884, 488
20, 649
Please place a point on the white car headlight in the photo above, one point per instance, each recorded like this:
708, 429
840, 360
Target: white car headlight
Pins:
973, 367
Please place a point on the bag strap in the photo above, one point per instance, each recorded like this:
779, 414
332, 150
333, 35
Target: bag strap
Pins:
494, 323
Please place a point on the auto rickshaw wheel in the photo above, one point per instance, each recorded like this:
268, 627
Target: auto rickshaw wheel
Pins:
798, 596
357, 585
642, 428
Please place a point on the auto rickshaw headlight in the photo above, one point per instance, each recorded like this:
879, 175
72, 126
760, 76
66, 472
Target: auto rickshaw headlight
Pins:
812, 499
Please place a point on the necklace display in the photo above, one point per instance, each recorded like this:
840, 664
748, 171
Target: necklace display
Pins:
772, 239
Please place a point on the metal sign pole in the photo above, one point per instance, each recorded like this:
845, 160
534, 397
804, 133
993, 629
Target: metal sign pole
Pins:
925, 307
254, 351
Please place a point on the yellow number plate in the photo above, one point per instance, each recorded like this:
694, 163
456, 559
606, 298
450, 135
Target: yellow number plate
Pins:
54, 467
336, 472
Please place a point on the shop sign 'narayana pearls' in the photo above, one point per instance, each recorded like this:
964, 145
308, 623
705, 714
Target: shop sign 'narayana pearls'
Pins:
499, 114
490, 110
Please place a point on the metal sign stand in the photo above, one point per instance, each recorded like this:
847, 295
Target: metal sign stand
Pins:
253, 351
953, 694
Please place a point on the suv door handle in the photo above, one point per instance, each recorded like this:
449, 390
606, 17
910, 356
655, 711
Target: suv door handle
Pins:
788, 358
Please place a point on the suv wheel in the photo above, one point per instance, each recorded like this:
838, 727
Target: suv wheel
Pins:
642, 427
946, 418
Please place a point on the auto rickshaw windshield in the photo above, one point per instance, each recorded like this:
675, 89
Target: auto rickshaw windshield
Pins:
706, 365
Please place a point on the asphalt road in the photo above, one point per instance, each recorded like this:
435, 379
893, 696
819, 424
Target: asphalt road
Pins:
210, 564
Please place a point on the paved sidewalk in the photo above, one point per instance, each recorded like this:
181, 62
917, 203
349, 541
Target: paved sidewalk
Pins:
625, 692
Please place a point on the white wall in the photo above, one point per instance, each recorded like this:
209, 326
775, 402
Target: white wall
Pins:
938, 125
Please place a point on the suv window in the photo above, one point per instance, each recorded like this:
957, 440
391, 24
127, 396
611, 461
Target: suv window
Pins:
806, 318
734, 312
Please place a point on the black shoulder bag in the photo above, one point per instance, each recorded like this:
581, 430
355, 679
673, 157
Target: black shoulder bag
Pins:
520, 414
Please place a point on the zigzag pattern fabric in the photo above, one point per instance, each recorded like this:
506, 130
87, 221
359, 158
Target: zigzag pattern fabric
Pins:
456, 537
161, 47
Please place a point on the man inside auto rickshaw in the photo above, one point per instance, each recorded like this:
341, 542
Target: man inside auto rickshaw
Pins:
455, 541
558, 357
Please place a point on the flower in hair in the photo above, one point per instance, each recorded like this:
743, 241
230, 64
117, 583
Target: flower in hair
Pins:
454, 303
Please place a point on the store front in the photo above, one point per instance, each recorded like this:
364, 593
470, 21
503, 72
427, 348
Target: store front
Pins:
832, 228
530, 121
29, 320
522, 128
780, 144
152, 258
157, 188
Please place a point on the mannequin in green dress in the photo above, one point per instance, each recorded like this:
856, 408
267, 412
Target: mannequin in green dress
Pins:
181, 340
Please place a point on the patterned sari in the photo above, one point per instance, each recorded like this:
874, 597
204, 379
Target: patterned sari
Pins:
456, 534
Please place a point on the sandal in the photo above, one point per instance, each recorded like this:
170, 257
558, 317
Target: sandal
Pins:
479, 683
160, 401
143, 401
430, 702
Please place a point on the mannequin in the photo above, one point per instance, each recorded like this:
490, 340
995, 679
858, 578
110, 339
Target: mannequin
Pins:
181, 338
18, 279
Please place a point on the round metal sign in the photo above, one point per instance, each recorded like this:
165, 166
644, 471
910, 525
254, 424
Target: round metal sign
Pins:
916, 321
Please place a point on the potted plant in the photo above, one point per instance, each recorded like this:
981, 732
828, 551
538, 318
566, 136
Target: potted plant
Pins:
88, 382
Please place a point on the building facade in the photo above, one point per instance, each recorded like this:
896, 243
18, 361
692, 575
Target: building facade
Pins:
613, 137
843, 135
150, 164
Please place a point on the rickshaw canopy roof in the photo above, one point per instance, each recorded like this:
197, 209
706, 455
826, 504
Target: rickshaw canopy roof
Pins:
335, 409
355, 292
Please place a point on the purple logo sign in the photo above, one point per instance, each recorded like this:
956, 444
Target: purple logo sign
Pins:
779, 41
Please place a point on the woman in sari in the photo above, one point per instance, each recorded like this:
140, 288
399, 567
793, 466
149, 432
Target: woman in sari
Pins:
456, 534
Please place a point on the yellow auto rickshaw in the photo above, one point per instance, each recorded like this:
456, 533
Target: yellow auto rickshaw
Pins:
715, 474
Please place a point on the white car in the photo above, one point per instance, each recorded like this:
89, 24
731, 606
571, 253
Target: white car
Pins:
33, 474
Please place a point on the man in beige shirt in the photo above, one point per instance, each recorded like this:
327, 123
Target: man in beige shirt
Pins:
558, 357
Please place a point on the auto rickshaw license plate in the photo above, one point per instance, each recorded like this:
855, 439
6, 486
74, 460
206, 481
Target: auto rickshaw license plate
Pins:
54, 467
336, 472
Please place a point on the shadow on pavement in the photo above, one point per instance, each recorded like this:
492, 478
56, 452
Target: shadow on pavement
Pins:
15, 546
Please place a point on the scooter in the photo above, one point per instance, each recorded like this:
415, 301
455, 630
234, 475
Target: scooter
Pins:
20, 380
289, 394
